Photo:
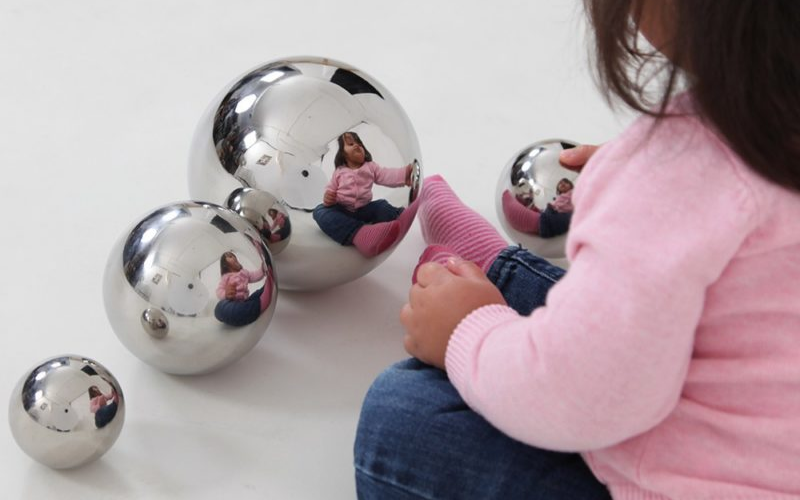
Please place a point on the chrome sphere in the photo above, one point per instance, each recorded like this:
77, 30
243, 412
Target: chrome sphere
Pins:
190, 288
66, 411
276, 129
266, 213
533, 197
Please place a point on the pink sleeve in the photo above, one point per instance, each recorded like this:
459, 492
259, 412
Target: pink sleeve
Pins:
333, 184
223, 284
253, 276
606, 358
563, 202
96, 403
391, 177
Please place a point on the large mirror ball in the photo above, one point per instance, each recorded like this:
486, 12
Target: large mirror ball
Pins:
335, 155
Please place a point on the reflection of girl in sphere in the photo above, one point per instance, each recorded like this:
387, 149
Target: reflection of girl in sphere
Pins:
237, 307
348, 214
103, 406
279, 228
554, 221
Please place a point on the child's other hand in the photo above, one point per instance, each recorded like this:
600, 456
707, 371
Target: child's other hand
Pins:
329, 199
575, 158
441, 298
230, 292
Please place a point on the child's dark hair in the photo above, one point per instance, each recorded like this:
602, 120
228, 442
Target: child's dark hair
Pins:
741, 59
224, 267
571, 184
339, 159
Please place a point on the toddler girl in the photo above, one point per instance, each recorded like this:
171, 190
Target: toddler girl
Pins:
348, 214
553, 221
237, 307
666, 362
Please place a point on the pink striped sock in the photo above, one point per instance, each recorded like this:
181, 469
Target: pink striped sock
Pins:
446, 221
266, 295
522, 219
373, 239
406, 218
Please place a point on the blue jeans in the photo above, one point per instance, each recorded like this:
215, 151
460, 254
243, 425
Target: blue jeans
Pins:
342, 224
552, 223
239, 312
417, 438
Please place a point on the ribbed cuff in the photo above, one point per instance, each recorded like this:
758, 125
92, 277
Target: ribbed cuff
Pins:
466, 339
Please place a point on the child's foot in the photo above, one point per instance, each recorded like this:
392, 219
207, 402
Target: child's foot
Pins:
433, 253
445, 220
373, 239
520, 218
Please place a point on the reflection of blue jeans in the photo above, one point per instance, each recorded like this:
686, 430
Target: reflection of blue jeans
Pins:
418, 439
105, 415
342, 224
239, 312
553, 223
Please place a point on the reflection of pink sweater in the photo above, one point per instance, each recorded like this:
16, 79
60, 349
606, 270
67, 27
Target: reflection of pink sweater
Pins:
563, 202
353, 186
239, 279
278, 222
669, 354
100, 401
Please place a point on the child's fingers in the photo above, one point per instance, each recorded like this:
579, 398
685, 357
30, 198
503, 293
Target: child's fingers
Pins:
464, 268
430, 272
577, 157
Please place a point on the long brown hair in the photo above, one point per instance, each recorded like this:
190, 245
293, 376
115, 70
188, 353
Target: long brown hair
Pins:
739, 58
339, 160
224, 267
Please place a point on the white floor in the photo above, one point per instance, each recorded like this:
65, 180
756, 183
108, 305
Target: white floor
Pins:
99, 102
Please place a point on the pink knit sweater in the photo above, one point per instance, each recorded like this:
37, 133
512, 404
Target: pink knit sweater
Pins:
239, 280
669, 355
353, 186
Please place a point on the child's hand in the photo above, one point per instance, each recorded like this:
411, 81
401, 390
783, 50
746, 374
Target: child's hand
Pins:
329, 199
409, 171
439, 300
230, 292
575, 158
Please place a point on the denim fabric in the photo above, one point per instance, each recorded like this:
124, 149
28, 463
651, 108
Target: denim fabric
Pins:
239, 312
417, 439
553, 223
523, 278
105, 415
342, 224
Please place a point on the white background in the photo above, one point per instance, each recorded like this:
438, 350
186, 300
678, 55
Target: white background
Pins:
98, 104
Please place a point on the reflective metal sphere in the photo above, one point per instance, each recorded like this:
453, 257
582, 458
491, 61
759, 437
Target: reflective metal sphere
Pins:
276, 129
266, 213
66, 411
533, 197
190, 288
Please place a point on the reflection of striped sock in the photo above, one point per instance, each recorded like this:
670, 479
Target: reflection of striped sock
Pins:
373, 239
266, 295
446, 221
406, 218
520, 218
433, 253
